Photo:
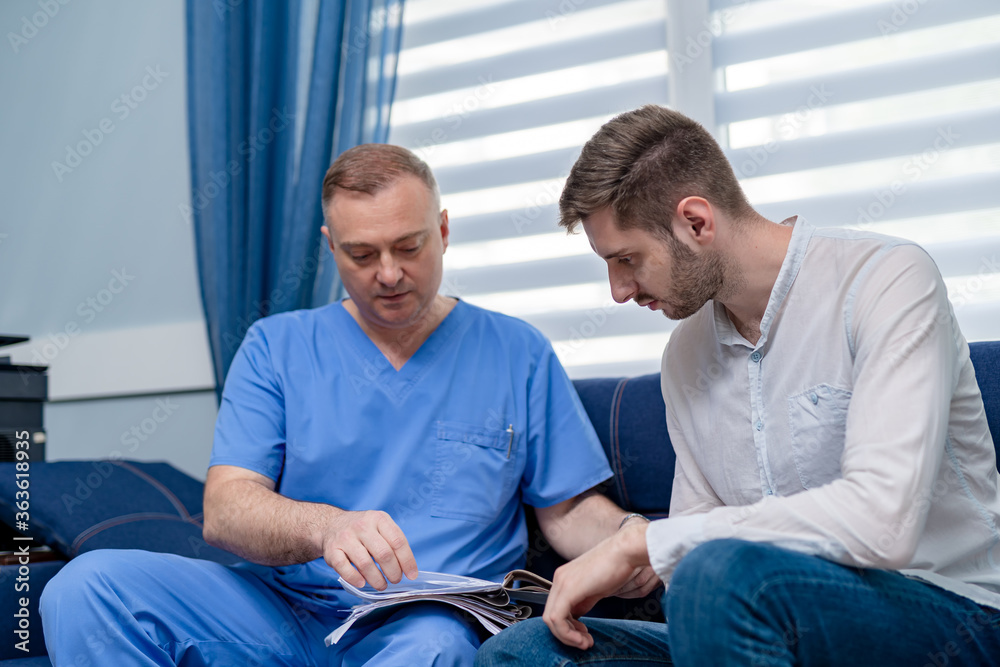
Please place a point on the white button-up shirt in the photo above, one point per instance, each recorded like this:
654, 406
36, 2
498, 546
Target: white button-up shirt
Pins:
853, 430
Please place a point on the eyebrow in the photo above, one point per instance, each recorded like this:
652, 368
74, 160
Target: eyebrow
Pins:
348, 245
617, 253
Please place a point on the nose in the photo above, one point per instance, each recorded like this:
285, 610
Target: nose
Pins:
623, 287
389, 272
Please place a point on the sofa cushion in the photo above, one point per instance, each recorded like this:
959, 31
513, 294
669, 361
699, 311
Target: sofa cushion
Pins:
91, 505
986, 360
630, 419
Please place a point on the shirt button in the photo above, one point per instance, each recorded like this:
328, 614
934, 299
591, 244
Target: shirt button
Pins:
814, 398
755, 357
759, 425
770, 492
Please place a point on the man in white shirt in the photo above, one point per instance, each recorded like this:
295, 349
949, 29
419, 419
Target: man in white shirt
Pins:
836, 497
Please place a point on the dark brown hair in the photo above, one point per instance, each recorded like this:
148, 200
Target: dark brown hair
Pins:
641, 164
370, 168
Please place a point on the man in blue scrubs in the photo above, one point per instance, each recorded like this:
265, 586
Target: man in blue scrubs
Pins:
397, 429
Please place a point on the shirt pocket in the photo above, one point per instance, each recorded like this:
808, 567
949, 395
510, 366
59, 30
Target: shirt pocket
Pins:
817, 423
474, 478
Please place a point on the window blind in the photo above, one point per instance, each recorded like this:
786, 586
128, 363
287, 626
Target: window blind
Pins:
498, 96
858, 113
882, 116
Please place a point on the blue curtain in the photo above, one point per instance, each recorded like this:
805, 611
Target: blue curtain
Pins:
276, 90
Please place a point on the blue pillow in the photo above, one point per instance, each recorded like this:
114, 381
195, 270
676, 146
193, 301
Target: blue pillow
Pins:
79, 506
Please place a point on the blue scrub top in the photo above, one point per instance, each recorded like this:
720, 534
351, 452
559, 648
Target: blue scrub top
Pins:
479, 419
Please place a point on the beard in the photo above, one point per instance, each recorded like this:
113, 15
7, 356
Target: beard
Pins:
694, 280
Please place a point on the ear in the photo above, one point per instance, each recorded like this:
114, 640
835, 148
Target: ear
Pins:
326, 232
694, 221
444, 229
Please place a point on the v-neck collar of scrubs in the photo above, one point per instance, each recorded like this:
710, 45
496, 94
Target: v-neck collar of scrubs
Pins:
398, 384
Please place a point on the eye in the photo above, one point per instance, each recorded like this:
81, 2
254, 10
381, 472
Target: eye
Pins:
410, 250
625, 260
361, 257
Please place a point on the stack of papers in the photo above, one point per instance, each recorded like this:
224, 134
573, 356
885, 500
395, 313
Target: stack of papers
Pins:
494, 605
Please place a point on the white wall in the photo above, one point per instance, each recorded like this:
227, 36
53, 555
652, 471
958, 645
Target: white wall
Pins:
97, 263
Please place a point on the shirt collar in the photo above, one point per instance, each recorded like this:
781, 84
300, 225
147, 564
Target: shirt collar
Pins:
725, 330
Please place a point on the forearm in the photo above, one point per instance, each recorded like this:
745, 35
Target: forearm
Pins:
263, 526
579, 524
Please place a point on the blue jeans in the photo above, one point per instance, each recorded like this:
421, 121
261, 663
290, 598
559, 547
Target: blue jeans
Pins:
744, 604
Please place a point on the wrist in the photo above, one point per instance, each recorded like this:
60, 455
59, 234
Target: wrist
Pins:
631, 541
629, 517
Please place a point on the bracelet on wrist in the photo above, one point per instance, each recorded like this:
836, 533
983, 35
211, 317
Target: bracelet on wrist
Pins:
633, 515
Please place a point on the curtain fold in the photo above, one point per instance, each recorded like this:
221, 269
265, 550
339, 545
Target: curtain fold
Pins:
276, 90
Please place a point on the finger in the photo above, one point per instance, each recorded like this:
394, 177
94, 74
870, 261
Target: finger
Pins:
559, 618
339, 561
570, 632
362, 560
396, 539
383, 554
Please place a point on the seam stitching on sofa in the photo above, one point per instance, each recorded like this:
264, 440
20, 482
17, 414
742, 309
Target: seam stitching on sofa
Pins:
617, 405
117, 521
612, 444
158, 485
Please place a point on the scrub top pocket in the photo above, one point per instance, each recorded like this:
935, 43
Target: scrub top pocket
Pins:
473, 478
817, 421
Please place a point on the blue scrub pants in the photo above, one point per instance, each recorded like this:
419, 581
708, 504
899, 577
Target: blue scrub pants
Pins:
733, 603
126, 607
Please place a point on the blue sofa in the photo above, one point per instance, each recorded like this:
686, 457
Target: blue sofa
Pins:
80, 506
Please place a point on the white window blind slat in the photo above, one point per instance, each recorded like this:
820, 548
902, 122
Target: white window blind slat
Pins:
940, 196
850, 25
960, 66
467, 118
608, 45
431, 22
929, 135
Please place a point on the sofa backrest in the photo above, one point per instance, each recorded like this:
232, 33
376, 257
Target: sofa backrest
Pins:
629, 417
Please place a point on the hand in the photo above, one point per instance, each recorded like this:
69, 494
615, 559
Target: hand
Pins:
644, 581
579, 584
355, 541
